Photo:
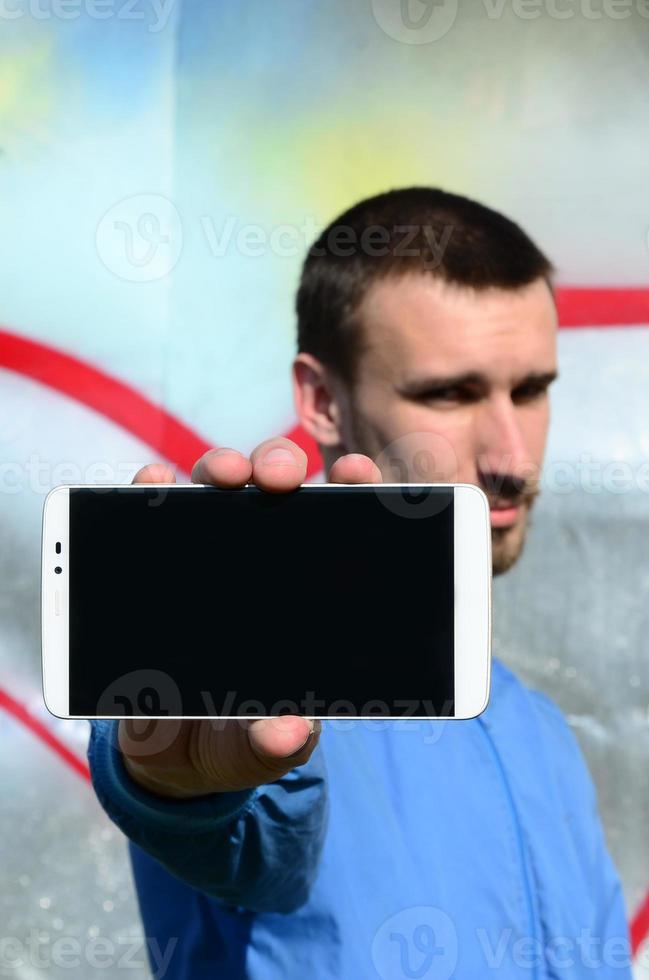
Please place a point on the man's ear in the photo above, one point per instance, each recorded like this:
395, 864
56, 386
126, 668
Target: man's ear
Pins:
317, 400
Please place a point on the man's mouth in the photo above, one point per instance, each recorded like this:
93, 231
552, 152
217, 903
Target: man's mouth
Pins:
503, 512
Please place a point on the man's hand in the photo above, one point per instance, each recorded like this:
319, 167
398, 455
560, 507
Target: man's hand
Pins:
193, 758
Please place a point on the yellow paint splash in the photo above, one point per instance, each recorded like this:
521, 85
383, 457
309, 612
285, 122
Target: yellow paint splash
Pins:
26, 99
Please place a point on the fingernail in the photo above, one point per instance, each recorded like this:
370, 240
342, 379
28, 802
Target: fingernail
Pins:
277, 457
302, 744
282, 721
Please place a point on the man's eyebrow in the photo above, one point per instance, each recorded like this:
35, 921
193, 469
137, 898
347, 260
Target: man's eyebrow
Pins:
430, 384
539, 378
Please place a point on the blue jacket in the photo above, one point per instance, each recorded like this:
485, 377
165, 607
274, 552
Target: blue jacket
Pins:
402, 849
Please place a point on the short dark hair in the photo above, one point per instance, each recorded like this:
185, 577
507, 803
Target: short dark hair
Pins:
415, 229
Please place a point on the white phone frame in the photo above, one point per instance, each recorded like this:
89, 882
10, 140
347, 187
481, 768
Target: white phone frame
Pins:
472, 619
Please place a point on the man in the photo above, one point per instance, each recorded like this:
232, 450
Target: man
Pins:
427, 342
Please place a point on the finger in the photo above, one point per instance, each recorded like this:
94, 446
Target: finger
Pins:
155, 473
275, 739
278, 465
238, 754
222, 467
191, 758
355, 468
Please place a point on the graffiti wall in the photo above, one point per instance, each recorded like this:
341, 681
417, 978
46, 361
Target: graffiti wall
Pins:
163, 168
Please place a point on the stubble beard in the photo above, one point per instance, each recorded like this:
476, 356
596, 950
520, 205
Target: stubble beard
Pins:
507, 543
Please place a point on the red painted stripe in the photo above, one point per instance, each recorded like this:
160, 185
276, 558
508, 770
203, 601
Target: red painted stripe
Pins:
640, 925
602, 306
43, 733
106, 395
118, 401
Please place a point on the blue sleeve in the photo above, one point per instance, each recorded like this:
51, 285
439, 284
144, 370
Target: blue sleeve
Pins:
611, 920
258, 848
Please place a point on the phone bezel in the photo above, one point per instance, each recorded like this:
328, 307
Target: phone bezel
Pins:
472, 607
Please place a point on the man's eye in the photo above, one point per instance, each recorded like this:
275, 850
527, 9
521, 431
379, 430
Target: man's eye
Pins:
529, 393
451, 395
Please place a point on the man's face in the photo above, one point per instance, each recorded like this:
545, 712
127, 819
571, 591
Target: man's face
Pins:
453, 388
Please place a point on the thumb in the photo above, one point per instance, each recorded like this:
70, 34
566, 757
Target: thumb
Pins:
275, 740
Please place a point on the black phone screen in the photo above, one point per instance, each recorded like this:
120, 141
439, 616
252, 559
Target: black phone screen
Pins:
325, 601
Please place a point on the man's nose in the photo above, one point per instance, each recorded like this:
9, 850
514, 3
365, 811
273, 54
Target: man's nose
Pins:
501, 443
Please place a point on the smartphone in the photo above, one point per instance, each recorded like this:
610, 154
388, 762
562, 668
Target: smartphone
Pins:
331, 601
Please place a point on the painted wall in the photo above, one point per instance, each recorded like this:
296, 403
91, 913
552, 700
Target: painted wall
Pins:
163, 167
